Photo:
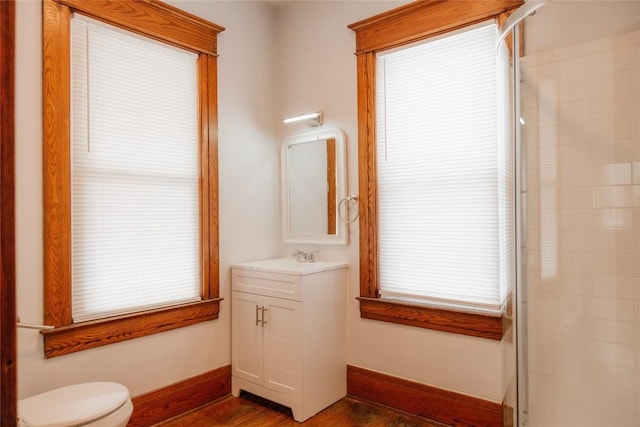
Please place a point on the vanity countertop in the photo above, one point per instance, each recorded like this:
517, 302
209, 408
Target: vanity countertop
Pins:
290, 266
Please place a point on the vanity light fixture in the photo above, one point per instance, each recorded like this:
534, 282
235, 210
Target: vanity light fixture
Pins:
313, 119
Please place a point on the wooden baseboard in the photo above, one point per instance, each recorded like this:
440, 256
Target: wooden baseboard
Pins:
436, 404
181, 397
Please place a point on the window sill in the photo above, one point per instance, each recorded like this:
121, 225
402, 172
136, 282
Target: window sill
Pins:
439, 319
96, 333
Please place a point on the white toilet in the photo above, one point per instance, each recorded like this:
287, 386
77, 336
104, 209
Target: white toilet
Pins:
97, 404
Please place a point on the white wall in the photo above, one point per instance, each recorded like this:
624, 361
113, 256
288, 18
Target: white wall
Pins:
249, 204
317, 71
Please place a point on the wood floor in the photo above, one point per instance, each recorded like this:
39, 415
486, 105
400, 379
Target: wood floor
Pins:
252, 411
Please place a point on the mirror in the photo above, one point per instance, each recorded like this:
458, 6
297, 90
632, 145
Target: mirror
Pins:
313, 183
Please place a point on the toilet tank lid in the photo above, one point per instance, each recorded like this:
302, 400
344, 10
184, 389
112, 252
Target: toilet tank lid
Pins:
73, 405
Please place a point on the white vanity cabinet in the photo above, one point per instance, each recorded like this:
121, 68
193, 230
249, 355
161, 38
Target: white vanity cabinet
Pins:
289, 333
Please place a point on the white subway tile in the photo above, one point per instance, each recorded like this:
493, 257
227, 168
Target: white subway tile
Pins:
583, 146
532, 200
613, 399
533, 259
616, 196
633, 38
572, 90
574, 68
542, 392
575, 240
636, 172
573, 347
541, 362
610, 418
611, 264
626, 241
544, 302
574, 197
634, 80
571, 284
607, 84
617, 287
575, 284
548, 92
612, 354
548, 178
542, 411
533, 241
626, 58
574, 391
532, 158
636, 219
615, 377
613, 219
573, 111
613, 309
542, 342
613, 152
543, 322
548, 72
636, 264
577, 176
575, 219
601, 62
530, 136
528, 95
613, 105
597, 130
533, 179
574, 369
530, 114
576, 325
616, 332
611, 174
548, 135
544, 115
573, 262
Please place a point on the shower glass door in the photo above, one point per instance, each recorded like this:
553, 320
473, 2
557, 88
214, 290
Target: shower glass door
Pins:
578, 311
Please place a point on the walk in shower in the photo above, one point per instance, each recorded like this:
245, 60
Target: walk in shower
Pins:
578, 311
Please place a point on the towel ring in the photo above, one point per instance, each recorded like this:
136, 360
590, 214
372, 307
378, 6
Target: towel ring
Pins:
351, 199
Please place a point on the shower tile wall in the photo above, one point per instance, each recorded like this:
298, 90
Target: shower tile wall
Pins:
582, 137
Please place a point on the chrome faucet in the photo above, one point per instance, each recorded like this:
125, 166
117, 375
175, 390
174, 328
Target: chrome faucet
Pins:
302, 256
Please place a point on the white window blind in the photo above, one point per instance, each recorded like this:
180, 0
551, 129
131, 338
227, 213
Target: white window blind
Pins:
445, 222
135, 210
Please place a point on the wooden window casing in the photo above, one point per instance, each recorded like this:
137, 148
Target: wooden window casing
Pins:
403, 25
162, 22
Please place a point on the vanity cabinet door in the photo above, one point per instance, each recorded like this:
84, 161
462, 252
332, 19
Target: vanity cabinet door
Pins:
248, 337
267, 337
283, 345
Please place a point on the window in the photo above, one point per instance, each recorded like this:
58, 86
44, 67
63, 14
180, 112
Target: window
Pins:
130, 171
436, 217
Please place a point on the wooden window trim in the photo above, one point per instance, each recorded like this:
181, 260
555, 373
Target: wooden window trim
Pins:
153, 19
406, 24
8, 332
